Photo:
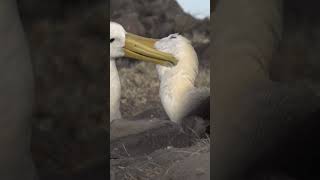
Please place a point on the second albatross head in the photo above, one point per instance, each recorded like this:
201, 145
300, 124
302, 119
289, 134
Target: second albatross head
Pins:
133, 46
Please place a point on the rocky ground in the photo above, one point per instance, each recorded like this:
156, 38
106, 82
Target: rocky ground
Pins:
168, 163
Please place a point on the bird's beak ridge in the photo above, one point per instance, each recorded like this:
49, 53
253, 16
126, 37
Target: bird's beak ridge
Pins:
141, 48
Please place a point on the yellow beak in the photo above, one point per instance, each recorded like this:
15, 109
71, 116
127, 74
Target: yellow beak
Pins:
142, 48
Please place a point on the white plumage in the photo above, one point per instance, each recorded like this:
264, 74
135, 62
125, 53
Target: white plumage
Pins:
117, 42
178, 94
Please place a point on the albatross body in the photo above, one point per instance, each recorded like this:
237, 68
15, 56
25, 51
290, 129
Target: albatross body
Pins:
178, 94
124, 44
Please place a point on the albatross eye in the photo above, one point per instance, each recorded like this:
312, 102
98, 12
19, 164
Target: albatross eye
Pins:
173, 36
111, 40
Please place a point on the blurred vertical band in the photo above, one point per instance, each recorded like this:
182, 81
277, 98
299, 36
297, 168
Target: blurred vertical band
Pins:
108, 91
244, 34
16, 97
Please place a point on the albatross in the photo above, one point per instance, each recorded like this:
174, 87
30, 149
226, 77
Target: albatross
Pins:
178, 95
125, 44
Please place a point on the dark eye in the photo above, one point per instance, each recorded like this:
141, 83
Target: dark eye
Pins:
173, 36
111, 40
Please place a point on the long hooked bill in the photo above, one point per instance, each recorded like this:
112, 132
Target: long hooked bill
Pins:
141, 48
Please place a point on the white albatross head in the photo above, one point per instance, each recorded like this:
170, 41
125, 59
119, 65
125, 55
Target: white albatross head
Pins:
117, 40
181, 48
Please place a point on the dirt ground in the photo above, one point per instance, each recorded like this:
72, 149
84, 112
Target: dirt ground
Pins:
188, 163
151, 146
